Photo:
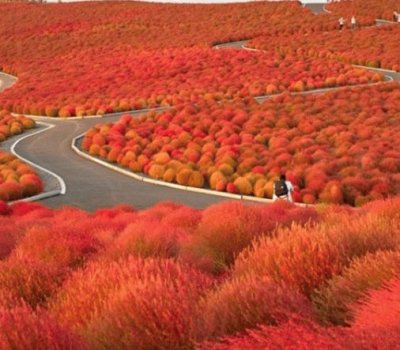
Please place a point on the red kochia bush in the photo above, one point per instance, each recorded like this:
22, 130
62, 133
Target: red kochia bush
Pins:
145, 238
226, 229
377, 318
63, 245
10, 232
246, 302
301, 257
30, 210
22, 328
4, 208
306, 257
133, 303
185, 218
295, 334
28, 280
366, 273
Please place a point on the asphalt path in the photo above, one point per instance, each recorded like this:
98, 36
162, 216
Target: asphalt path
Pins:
90, 185
6, 81
316, 8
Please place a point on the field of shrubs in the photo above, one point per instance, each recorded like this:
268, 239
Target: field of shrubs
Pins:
370, 8
338, 147
231, 276
375, 47
99, 63
227, 277
140, 79
17, 179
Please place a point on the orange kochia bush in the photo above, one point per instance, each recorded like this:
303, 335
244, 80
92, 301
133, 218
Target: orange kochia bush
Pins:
11, 126
17, 179
72, 279
331, 146
120, 79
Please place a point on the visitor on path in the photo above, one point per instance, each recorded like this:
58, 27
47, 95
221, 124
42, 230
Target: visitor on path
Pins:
283, 189
395, 16
341, 23
353, 22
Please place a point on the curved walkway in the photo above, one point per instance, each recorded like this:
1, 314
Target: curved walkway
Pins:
90, 185
6, 80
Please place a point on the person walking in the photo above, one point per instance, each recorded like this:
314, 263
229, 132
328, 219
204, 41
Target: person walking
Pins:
341, 23
395, 16
353, 22
283, 189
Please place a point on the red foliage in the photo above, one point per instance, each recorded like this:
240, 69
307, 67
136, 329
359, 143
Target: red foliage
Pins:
384, 9
226, 229
373, 47
305, 258
26, 209
111, 64
59, 263
377, 318
364, 274
22, 328
28, 280
4, 208
155, 299
235, 306
381, 309
61, 246
9, 235
146, 238
295, 334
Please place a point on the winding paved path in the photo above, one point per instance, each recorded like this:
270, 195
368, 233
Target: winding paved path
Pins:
90, 185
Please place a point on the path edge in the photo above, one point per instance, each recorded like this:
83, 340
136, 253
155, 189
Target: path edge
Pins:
47, 194
145, 179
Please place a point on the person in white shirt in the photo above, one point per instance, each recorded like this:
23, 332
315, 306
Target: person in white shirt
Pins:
283, 189
353, 22
341, 23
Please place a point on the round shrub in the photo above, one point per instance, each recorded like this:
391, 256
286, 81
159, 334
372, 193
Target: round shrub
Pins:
364, 274
215, 178
376, 318
243, 185
157, 171
224, 230
28, 280
22, 328
244, 303
145, 238
183, 176
13, 189
169, 175
297, 333
196, 179
133, 303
